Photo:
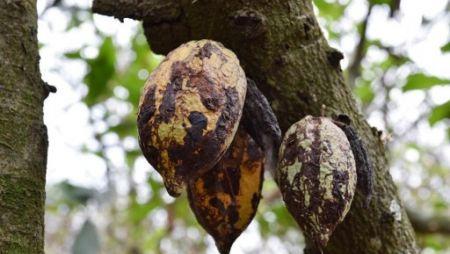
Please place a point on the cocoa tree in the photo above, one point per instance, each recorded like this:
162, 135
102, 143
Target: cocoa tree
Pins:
23, 135
282, 48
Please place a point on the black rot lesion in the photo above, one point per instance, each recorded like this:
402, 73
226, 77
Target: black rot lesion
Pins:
207, 50
211, 95
206, 143
291, 151
179, 71
198, 125
148, 107
340, 178
145, 113
261, 124
220, 217
230, 113
233, 177
364, 167
254, 152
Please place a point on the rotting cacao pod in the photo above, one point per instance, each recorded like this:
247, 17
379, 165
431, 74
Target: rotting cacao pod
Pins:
364, 167
225, 199
190, 110
261, 124
317, 177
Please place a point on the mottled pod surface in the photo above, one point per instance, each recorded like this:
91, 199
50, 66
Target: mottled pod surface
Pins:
225, 199
190, 110
317, 176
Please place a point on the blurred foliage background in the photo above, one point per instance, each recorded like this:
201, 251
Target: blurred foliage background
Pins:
102, 195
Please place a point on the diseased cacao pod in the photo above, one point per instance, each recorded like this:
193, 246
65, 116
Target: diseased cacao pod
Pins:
317, 176
190, 110
225, 199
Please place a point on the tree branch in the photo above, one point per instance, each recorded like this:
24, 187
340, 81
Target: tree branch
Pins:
427, 224
23, 135
394, 6
282, 48
157, 10
421, 223
354, 69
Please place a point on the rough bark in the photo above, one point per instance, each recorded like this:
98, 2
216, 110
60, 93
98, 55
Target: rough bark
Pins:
282, 48
23, 136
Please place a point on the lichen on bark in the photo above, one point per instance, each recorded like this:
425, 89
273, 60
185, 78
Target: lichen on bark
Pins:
23, 136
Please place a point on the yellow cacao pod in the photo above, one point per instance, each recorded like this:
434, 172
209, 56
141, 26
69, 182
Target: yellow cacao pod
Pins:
190, 110
225, 199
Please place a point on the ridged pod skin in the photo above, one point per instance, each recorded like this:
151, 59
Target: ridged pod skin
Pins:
317, 176
225, 199
190, 110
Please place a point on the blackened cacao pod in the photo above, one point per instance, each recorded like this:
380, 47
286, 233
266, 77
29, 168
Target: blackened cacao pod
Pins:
225, 199
317, 176
190, 110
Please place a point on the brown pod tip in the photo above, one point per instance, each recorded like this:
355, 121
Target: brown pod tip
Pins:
225, 199
224, 246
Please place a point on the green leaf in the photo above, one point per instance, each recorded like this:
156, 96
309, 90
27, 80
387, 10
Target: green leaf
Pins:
434, 242
365, 92
145, 60
77, 18
331, 11
138, 212
446, 47
283, 217
394, 60
101, 71
380, 2
439, 113
73, 55
75, 194
264, 225
127, 127
422, 81
180, 211
87, 240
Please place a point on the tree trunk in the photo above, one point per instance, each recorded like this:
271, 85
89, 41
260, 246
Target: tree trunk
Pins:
282, 48
23, 136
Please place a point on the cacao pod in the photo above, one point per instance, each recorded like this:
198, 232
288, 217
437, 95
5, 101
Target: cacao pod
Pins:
189, 111
317, 176
225, 199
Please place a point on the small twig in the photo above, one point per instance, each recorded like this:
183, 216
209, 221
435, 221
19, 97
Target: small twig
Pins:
429, 223
354, 69
48, 7
48, 89
395, 6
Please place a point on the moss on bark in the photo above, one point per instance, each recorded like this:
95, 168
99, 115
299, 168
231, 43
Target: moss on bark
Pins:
23, 136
